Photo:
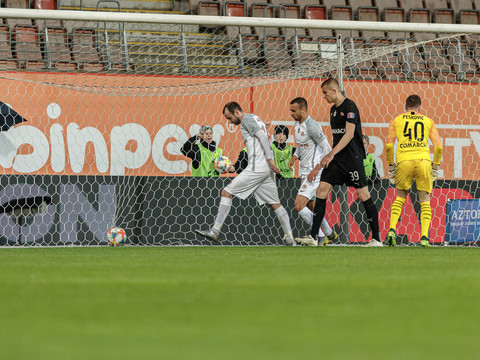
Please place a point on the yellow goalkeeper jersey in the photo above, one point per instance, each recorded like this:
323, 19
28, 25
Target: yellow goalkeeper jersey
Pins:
412, 130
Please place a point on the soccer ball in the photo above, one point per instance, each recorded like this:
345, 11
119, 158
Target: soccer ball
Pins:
222, 164
116, 236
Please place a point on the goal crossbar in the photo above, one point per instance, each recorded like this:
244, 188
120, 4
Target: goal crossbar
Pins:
237, 21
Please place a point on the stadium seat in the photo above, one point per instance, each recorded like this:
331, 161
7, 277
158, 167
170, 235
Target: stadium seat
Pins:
382, 5
413, 63
437, 61
58, 52
26, 46
461, 57
282, 2
388, 66
276, 53
441, 14
208, 8
18, 4
266, 11
317, 12
7, 61
85, 50
305, 52
236, 8
395, 15
46, 4
248, 51
469, 17
293, 11
344, 13
370, 14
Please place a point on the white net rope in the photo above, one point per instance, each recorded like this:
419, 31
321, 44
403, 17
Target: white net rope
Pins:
111, 105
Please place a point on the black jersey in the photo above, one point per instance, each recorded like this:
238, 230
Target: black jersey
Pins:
339, 116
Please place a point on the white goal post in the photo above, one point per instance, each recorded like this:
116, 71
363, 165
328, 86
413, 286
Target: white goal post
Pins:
110, 98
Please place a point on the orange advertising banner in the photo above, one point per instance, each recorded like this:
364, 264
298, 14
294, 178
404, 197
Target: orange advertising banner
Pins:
83, 124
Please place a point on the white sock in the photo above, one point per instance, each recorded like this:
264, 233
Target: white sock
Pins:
307, 216
282, 216
326, 228
223, 210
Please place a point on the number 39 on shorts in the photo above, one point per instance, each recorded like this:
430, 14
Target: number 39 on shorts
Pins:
354, 175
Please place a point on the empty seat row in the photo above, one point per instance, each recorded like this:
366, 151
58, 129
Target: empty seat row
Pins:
25, 47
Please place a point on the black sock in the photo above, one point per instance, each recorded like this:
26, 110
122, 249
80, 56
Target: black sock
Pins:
372, 215
318, 214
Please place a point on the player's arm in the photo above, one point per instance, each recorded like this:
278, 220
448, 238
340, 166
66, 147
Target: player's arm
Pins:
392, 169
438, 148
437, 152
390, 141
267, 149
346, 138
252, 127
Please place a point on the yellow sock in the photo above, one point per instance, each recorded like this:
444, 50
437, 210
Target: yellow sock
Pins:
396, 211
425, 217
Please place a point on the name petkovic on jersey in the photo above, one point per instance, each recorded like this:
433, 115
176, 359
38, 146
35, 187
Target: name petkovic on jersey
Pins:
412, 117
338, 131
410, 145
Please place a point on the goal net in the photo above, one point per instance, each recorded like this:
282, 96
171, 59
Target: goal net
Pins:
111, 98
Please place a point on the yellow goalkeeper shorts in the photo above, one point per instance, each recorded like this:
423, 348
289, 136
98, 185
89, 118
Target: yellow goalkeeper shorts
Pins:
420, 170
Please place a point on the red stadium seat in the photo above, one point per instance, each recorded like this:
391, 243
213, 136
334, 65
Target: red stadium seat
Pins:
235, 8
7, 61
58, 51
26, 45
84, 49
370, 14
46, 4
276, 53
317, 12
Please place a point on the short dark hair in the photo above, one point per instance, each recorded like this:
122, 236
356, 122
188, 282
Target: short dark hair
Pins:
232, 106
331, 82
413, 101
301, 102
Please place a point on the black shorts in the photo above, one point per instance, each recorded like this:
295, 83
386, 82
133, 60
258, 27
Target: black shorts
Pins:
350, 173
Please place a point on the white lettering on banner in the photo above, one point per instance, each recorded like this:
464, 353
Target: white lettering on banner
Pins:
173, 148
165, 145
125, 159
458, 145
57, 144
28, 163
77, 141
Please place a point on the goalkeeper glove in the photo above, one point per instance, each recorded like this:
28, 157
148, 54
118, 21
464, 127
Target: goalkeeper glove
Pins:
435, 172
392, 173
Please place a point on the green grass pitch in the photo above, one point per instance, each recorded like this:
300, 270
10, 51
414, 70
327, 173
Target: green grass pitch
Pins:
239, 303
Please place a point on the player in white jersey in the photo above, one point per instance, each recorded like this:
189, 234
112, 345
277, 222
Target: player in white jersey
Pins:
312, 145
257, 179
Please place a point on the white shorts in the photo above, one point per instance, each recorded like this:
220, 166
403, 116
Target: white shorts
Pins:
261, 184
309, 189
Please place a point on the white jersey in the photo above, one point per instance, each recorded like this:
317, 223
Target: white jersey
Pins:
308, 136
256, 157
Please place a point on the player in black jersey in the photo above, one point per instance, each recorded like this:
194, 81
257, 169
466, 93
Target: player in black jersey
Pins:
344, 164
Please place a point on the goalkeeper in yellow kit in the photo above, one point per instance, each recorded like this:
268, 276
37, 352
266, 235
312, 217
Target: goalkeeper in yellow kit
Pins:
412, 130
